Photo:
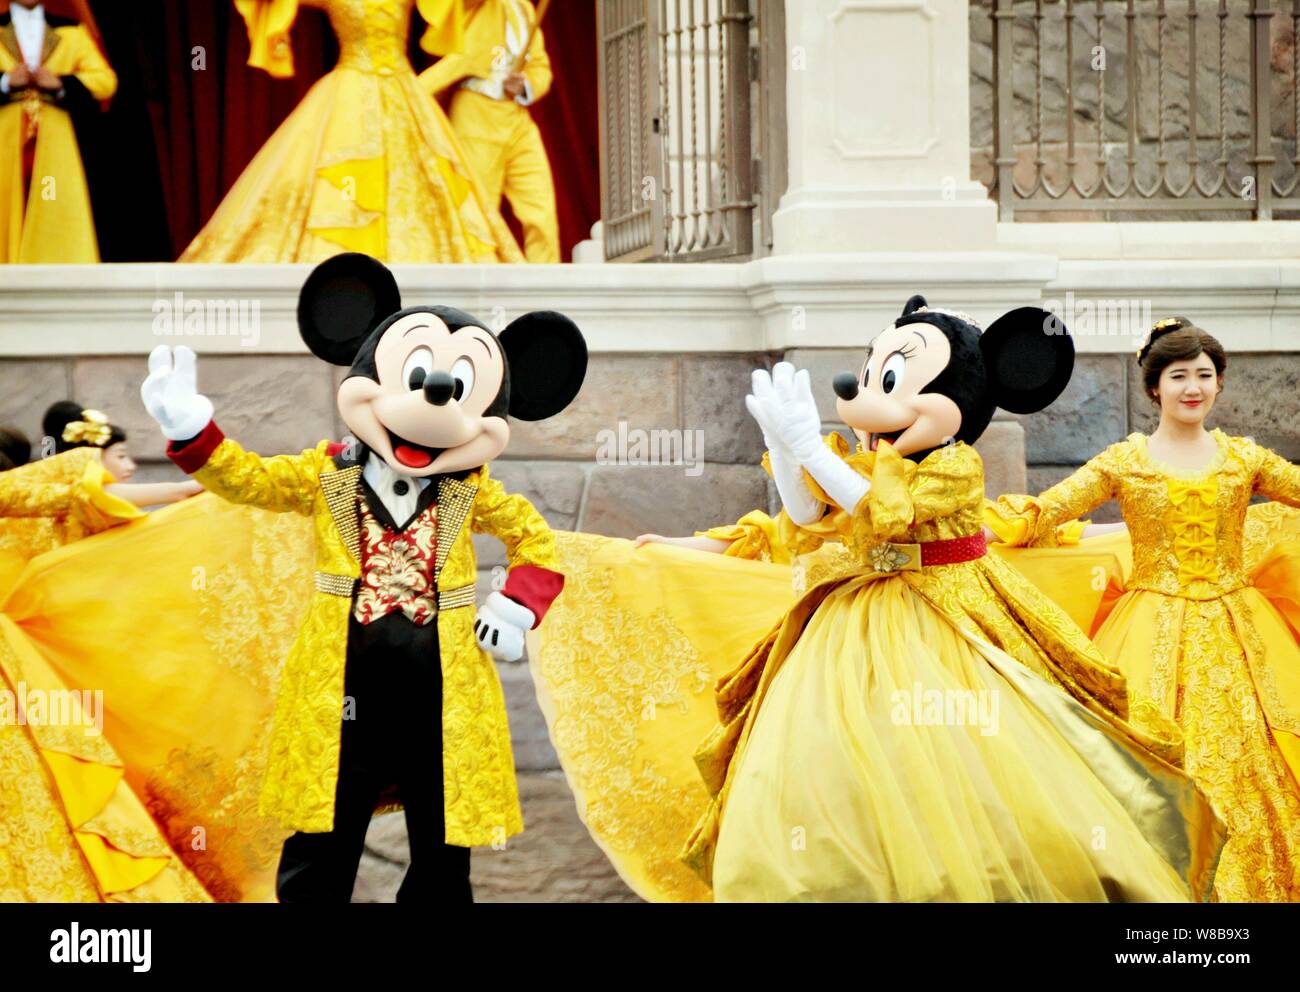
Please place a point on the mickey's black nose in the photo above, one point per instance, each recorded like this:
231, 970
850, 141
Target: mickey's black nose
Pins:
845, 385
438, 387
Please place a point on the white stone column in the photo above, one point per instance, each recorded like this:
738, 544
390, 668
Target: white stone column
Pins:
879, 130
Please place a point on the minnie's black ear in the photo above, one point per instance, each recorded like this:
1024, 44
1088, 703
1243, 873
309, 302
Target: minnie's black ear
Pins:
343, 300
1029, 357
913, 304
548, 361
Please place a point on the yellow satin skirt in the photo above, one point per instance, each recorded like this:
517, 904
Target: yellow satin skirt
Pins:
852, 785
895, 758
181, 620
365, 163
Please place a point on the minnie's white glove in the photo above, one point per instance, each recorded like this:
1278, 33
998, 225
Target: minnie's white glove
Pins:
501, 626
799, 502
796, 423
171, 394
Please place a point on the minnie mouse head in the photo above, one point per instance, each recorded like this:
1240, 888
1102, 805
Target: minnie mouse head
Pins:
429, 388
934, 378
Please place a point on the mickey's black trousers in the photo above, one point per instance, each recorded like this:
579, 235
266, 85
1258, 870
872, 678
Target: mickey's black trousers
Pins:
391, 739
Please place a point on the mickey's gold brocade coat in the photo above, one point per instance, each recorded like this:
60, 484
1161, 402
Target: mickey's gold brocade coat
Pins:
480, 793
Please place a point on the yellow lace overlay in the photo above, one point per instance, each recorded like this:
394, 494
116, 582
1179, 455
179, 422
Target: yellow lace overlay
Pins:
72, 827
1198, 641
625, 666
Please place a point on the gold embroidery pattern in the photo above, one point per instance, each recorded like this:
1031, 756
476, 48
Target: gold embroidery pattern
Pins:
368, 130
1231, 754
1194, 537
943, 498
1164, 653
634, 808
397, 569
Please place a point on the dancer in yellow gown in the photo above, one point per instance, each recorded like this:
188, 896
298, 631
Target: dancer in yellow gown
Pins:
367, 162
900, 734
182, 618
1192, 633
72, 828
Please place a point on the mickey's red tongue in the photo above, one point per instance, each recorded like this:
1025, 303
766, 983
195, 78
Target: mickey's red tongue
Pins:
412, 457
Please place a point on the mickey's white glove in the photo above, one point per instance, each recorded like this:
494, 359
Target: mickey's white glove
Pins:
797, 424
501, 626
171, 394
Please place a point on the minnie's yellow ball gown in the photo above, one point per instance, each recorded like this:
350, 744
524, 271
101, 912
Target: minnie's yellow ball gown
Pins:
937, 733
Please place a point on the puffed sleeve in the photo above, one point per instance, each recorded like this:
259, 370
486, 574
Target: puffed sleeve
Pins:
84, 498
445, 33
269, 23
1277, 478
754, 537
1035, 521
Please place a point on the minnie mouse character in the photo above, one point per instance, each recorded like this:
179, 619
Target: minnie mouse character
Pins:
922, 724
906, 717
389, 669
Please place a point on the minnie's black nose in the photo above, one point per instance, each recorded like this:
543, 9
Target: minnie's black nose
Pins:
438, 387
845, 385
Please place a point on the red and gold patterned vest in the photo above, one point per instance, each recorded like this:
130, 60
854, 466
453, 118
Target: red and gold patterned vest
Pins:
397, 568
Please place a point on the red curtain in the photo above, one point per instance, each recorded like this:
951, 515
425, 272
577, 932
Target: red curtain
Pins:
185, 81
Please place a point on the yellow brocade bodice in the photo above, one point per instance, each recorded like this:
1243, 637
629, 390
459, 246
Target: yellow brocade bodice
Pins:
939, 499
1187, 527
372, 33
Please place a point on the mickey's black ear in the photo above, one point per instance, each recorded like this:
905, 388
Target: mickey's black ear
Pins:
1029, 357
343, 300
914, 304
548, 361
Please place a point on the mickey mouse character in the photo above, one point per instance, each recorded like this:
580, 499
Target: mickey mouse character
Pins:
389, 669
829, 722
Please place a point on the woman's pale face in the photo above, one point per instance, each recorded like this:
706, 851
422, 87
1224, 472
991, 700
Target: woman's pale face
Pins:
1187, 389
118, 461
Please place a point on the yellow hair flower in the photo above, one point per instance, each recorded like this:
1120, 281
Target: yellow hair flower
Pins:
92, 428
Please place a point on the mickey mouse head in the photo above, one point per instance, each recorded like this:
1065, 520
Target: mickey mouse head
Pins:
429, 388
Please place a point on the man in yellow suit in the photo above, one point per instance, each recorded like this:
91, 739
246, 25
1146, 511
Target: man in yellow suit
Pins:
489, 113
46, 62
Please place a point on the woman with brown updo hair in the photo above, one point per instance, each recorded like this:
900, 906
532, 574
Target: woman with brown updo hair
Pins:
1194, 632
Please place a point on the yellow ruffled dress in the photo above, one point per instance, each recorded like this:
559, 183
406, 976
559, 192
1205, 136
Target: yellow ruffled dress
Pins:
72, 829
1196, 635
367, 162
895, 735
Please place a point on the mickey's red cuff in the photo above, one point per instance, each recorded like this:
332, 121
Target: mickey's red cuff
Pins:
190, 456
534, 588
